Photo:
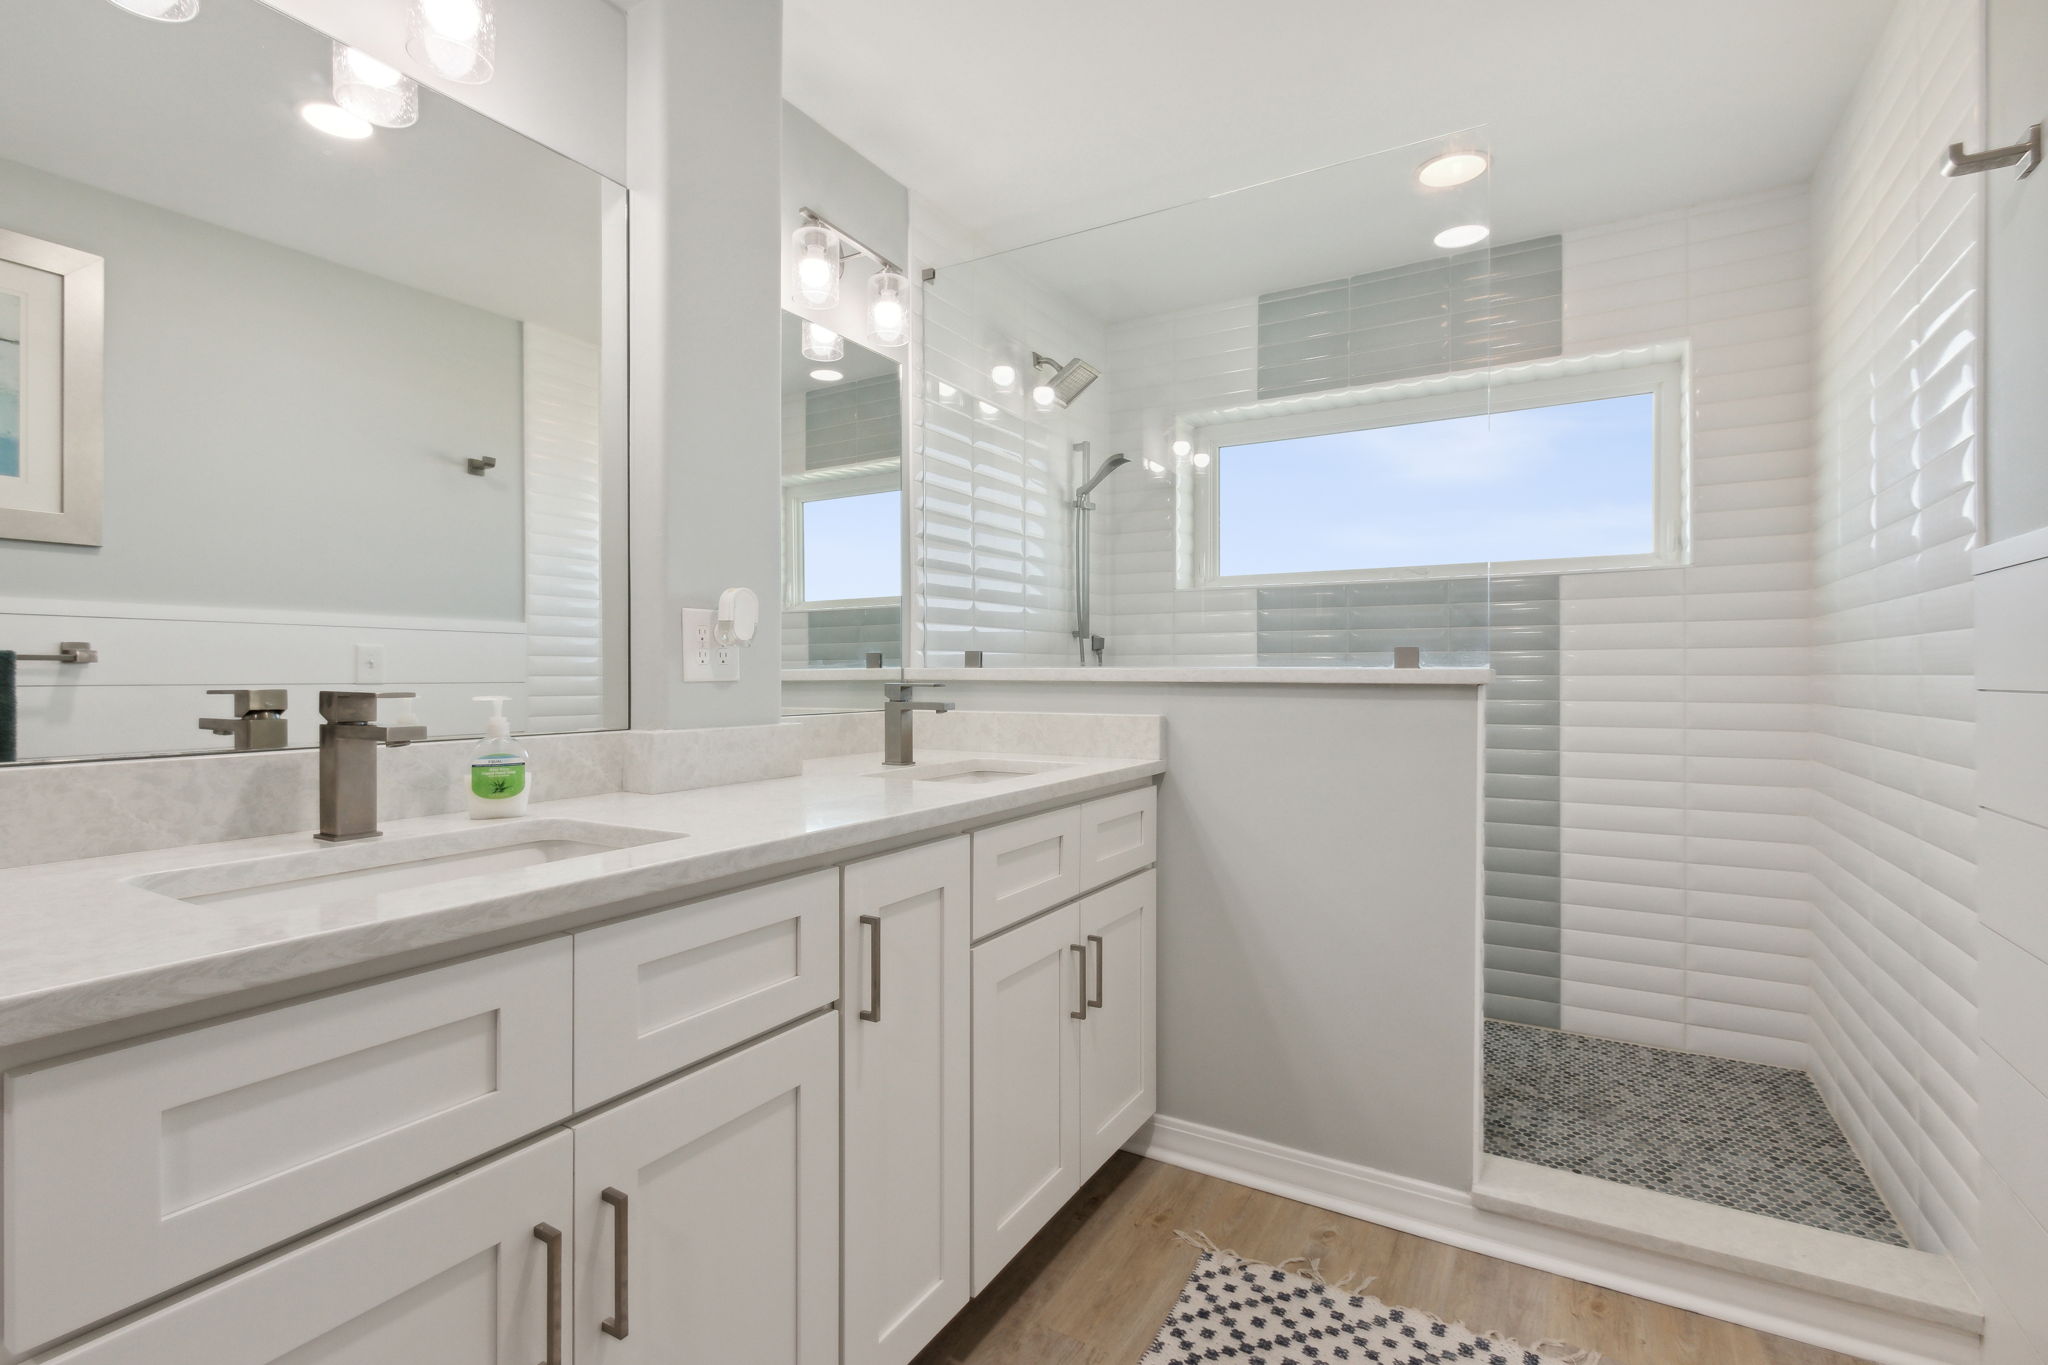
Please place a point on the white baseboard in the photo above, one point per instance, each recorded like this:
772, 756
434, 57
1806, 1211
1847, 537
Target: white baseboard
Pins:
1443, 1214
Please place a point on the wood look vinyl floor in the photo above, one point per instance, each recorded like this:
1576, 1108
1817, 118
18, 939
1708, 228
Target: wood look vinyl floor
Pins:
1094, 1286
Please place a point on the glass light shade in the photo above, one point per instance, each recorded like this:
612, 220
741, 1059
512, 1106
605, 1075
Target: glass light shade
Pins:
335, 121
456, 39
822, 343
1003, 376
374, 91
888, 308
827, 376
170, 11
817, 266
1044, 396
1181, 449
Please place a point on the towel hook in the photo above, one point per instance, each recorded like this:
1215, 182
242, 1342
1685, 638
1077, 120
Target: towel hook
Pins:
69, 652
2026, 155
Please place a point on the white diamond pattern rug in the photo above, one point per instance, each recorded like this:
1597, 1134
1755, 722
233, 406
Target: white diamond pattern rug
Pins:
1245, 1313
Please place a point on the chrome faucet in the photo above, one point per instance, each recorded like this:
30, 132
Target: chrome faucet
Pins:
258, 722
348, 762
896, 746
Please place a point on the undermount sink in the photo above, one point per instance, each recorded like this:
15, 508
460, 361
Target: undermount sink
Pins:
971, 770
348, 873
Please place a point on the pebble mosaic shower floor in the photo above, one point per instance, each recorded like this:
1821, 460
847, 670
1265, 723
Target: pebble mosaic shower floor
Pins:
1738, 1134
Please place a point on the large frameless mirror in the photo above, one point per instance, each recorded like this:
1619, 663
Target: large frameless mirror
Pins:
842, 520
289, 402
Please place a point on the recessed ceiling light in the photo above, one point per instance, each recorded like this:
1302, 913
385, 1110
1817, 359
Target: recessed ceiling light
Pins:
1452, 168
1468, 234
827, 376
335, 121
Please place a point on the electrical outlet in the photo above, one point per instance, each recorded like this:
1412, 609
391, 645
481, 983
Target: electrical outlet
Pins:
369, 663
704, 658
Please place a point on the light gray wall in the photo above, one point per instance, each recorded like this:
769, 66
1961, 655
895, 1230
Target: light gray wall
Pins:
1319, 912
2016, 355
705, 127
282, 431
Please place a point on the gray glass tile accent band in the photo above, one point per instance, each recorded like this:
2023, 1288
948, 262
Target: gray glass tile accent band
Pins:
1454, 312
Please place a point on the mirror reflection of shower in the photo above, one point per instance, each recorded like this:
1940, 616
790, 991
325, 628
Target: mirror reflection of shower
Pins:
1085, 640
1068, 381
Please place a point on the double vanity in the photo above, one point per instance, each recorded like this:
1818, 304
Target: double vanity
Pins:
785, 1070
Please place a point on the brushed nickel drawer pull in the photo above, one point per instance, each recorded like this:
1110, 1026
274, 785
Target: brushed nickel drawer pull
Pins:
1080, 951
1096, 1003
551, 1237
873, 1013
622, 1241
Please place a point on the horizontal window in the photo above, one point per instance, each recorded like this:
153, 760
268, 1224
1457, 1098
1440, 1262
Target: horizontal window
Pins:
1550, 472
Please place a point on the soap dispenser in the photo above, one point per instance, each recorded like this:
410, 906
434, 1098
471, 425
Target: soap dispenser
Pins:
497, 768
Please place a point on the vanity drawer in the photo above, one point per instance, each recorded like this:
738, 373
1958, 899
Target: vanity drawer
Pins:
130, 1171
659, 992
1024, 867
1119, 835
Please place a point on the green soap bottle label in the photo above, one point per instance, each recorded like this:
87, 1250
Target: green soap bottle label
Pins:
495, 779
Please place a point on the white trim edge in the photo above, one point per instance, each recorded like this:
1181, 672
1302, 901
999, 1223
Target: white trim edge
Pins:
2014, 550
1444, 1214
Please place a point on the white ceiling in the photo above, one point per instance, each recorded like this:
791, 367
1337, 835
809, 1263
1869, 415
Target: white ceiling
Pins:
1024, 121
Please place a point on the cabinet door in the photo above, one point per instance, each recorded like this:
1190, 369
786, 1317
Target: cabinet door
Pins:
904, 1014
1119, 1069
151, 1165
660, 992
721, 1188
1024, 867
1119, 835
458, 1275
1027, 1148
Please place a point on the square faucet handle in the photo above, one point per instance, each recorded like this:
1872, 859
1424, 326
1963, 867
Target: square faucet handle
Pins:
251, 700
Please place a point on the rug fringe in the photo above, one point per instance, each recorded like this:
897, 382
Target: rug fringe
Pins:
1354, 1286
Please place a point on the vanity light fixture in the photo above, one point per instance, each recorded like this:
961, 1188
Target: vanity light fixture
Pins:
822, 344
170, 11
1452, 168
456, 39
1466, 234
1201, 460
335, 121
374, 91
888, 308
817, 265
1004, 377
1181, 449
827, 376
1044, 396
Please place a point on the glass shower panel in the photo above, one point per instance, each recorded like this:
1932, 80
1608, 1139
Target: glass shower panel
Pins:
1298, 379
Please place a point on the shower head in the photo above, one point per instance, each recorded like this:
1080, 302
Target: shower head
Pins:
1109, 467
1070, 380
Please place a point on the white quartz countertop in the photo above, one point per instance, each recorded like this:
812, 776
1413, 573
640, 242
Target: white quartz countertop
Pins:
85, 945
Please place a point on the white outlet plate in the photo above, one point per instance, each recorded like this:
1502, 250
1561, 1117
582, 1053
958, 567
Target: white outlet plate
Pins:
369, 663
704, 659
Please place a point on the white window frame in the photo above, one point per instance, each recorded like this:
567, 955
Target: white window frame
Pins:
826, 485
1657, 371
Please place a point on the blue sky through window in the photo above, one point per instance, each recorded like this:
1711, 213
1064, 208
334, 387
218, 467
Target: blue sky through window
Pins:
1558, 482
852, 547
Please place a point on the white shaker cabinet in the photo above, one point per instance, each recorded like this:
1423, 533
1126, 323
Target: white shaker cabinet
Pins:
1029, 987
472, 1272
904, 1020
1064, 1069
707, 1213
1119, 1064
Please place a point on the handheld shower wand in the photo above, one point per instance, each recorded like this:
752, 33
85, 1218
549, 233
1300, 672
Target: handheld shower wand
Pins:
1084, 555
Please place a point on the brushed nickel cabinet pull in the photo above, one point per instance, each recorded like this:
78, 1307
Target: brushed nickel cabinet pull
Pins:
1096, 1003
622, 1241
873, 924
551, 1237
1080, 951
